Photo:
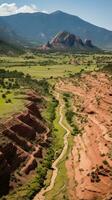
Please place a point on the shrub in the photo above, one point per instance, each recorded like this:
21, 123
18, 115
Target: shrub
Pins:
8, 101
76, 131
105, 162
69, 116
3, 96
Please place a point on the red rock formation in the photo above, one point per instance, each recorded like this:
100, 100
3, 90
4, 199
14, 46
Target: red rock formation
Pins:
33, 122
33, 109
18, 140
66, 40
4, 175
24, 131
23, 139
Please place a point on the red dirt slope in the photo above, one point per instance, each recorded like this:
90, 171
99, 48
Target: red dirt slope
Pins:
89, 166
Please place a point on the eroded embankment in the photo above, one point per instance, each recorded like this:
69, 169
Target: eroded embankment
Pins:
23, 144
90, 163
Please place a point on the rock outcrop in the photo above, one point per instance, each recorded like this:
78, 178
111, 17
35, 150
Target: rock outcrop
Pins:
65, 40
88, 43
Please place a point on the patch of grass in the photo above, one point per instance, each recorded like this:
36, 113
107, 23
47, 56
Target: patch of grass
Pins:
58, 133
12, 103
60, 186
48, 71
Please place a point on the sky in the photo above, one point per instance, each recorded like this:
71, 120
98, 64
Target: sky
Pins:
98, 12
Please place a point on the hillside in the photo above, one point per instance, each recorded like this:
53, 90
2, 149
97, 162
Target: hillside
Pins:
7, 33
9, 39
9, 49
10, 42
89, 163
41, 27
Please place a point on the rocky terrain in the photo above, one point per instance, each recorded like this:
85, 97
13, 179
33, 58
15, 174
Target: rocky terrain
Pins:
23, 143
89, 165
65, 40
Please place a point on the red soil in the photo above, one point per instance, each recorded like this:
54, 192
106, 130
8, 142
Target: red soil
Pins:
22, 146
89, 166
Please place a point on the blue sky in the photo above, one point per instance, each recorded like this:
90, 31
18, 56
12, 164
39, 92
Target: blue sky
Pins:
98, 12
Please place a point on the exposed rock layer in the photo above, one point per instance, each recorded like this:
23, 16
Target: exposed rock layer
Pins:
21, 145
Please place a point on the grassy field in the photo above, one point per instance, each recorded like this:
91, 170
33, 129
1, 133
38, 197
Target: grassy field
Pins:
40, 72
12, 103
38, 67
49, 65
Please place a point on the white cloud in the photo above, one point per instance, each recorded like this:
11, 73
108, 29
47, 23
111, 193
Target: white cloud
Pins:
10, 9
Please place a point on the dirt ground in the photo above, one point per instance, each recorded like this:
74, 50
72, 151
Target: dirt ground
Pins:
89, 166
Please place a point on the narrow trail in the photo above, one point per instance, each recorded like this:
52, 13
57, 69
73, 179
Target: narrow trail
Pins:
41, 194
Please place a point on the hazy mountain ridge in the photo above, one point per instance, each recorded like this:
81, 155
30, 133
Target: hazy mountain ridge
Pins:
6, 32
10, 43
8, 35
41, 27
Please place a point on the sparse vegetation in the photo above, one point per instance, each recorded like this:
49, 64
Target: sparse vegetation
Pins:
70, 115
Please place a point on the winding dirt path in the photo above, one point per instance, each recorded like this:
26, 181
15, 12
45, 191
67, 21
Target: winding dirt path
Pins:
41, 194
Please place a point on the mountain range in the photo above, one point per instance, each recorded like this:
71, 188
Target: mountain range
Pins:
39, 27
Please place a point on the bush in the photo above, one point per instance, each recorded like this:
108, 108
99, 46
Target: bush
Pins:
105, 162
3, 96
69, 116
8, 101
76, 131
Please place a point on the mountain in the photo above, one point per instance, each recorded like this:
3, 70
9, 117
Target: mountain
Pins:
9, 36
41, 27
67, 41
6, 32
9, 41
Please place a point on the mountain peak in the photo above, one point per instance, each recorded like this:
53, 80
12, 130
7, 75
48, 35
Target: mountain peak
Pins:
57, 12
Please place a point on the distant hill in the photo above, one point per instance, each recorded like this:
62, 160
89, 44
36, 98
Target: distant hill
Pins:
9, 36
6, 32
10, 49
41, 27
10, 42
67, 41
